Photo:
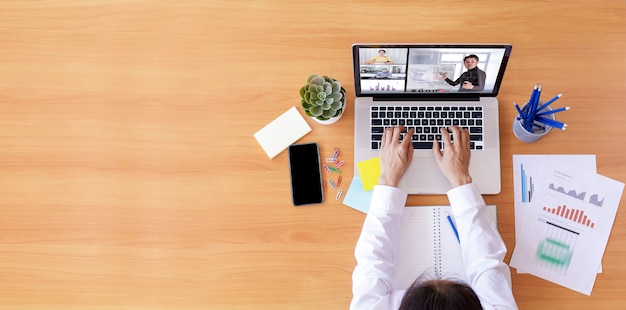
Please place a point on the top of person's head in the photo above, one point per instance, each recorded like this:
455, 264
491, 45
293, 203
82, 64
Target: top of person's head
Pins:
440, 295
384, 51
471, 56
385, 69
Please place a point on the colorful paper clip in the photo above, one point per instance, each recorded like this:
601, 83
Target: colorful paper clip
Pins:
333, 169
339, 194
332, 184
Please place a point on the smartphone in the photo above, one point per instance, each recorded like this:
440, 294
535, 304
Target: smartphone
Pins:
306, 174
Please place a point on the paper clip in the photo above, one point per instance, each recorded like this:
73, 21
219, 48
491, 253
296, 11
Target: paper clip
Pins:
327, 169
339, 194
331, 160
337, 152
339, 181
332, 184
333, 169
339, 164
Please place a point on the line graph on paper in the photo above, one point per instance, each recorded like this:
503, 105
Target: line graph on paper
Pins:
594, 199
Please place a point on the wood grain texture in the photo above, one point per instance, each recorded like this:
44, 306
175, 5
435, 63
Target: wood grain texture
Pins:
129, 176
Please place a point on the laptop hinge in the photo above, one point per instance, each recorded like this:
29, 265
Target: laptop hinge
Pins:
462, 97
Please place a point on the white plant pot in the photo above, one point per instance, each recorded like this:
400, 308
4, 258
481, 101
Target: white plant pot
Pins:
334, 119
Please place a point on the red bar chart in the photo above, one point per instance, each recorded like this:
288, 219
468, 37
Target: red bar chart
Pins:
574, 215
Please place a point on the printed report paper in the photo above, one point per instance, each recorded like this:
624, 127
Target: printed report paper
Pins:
567, 225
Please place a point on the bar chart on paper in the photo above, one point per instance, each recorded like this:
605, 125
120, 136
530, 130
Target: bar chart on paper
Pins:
565, 215
567, 212
527, 169
527, 186
573, 215
560, 228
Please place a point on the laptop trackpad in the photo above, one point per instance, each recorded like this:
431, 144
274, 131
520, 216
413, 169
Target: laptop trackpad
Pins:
424, 177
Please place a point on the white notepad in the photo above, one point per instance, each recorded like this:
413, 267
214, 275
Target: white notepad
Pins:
427, 244
276, 136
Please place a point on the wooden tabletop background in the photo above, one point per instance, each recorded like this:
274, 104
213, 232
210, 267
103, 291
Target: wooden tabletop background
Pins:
130, 178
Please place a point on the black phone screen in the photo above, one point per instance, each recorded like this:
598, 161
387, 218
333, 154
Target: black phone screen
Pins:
306, 178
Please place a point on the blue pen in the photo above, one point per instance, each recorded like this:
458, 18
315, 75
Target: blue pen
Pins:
534, 104
543, 106
553, 111
533, 94
551, 122
519, 111
456, 233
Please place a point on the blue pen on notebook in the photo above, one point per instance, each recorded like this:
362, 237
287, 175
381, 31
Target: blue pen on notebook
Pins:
456, 233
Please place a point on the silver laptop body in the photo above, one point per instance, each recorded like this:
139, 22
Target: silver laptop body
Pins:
416, 83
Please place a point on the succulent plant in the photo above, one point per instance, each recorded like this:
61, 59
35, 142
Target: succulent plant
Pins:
323, 97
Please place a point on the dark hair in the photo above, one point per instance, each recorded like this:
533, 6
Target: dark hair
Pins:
382, 51
470, 56
439, 295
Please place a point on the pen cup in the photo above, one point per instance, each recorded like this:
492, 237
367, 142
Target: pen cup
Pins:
538, 129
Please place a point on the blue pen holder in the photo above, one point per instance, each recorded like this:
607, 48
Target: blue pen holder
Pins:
520, 127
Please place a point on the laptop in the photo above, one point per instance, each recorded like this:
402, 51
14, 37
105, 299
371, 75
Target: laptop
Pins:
428, 86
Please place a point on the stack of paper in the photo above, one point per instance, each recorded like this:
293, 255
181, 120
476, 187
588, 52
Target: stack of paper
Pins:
564, 212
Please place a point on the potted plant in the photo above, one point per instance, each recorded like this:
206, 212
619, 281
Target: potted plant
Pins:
323, 99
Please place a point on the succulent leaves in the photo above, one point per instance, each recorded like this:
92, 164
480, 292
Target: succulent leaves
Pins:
322, 97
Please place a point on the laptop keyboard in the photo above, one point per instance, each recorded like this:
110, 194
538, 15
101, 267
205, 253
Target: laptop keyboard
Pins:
426, 121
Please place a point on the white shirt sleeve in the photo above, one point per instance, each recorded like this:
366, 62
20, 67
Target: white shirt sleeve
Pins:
375, 251
482, 247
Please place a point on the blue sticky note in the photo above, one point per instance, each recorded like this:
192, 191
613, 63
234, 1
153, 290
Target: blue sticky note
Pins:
357, 197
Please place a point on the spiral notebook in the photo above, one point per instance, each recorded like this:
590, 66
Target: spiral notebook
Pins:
427, 244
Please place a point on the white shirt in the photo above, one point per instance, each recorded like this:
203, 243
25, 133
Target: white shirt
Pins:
481, 245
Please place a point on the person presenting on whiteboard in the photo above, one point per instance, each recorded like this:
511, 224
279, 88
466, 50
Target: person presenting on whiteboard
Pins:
482, 247
471, 80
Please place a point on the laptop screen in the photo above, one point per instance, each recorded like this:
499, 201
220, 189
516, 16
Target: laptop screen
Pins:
429, 70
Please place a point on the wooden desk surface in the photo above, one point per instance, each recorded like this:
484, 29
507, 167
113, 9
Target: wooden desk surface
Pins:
129, 176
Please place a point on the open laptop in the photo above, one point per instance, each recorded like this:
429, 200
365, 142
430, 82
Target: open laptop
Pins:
428, 86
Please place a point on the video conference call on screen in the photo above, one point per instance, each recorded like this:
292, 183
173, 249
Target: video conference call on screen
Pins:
428, 70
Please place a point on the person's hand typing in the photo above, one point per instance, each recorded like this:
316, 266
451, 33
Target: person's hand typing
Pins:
395, 155
455, 159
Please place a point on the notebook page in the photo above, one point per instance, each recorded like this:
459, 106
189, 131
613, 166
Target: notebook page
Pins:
415, 253
452, 266
451, 260
427, 245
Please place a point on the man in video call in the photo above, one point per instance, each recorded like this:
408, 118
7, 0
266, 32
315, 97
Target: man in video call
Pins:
384, 74
471, 80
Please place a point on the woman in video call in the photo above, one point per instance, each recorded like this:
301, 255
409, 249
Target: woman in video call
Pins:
380, 58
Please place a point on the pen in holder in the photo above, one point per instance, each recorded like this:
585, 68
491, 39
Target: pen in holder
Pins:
530, 131
536, 118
